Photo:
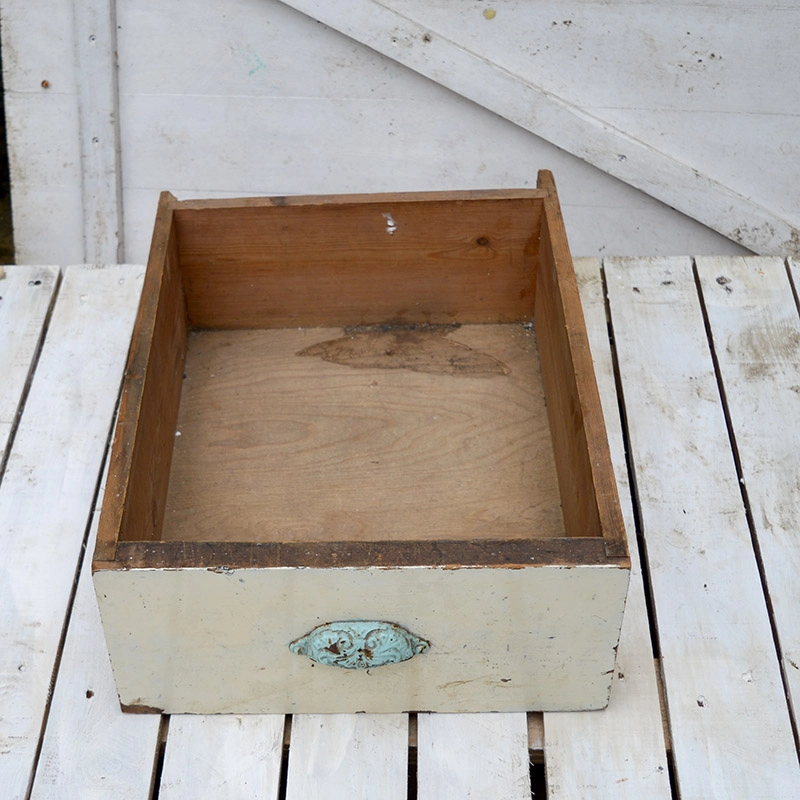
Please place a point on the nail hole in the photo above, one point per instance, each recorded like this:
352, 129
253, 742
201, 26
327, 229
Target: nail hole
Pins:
34, 283
89, 694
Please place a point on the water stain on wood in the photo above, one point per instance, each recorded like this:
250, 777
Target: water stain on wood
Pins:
420, 348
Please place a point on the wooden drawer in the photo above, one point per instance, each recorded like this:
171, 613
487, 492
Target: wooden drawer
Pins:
360, 463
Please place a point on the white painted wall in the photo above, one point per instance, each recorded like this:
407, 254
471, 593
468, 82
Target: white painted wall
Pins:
252, 97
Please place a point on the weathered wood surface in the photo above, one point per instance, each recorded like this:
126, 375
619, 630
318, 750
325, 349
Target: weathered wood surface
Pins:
90, 749
472, 755
158, 623
26, 294
714, 647
95, 42
138, 471
348, 757
729, 722
46, 497
346, 442
42, 128
351, 119
754, 322
223, 758
623, 747
548, 68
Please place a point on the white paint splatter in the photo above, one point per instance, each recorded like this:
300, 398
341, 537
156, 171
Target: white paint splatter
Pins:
391, 225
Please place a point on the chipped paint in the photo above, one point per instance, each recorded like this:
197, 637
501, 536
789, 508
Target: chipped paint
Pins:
359, 644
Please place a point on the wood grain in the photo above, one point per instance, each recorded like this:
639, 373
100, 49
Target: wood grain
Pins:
588, 754
540, 83
275, 443
95, 42
430, 553
729, 722
332, 261
141, 453
90, 748
46, 494
754, 323
583, 463
26, 294
472, 755
223, 757
348, 757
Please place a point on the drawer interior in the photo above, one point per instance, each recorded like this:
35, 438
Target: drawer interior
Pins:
363, 434
398, 369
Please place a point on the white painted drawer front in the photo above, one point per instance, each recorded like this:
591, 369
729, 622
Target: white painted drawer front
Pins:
211, 641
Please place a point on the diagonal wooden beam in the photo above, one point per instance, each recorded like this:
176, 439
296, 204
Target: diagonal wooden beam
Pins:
462, 69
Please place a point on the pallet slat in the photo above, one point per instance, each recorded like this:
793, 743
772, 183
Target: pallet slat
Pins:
90, 748
348, 757
26, 294
47, 490
756, 331
223, 757
623, 747
729, 723
472, 755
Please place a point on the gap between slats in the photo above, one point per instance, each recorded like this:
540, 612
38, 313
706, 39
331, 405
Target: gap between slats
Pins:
70, 603
682, 715
5, 454
535, 754
729, 423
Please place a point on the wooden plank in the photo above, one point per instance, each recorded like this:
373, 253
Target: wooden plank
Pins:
472, 755
620, 752
91, 749
540, 637
348, 757
729, 722
288, 262
320, 434
223, 758
26, 294
141, 454
95, 38
41, 110
756, 332
46, 493
173, 140
176, 108
580, 444
459, 63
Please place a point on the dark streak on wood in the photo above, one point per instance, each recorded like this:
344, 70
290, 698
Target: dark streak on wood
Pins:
140, 709
514, 553
419, 348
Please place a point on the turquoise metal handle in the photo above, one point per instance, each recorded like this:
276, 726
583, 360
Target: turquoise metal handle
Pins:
359, 644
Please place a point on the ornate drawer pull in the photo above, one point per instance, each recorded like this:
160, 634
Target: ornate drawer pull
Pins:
359, 644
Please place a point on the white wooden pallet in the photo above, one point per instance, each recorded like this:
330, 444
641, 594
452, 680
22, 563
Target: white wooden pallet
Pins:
716, 579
